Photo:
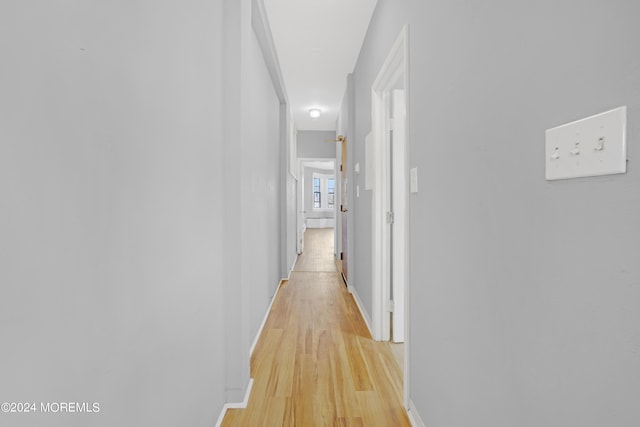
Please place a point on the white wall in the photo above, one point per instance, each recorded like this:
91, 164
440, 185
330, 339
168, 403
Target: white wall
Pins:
252, 212
346, 127
291, 225
135, 190
314, 144
523, 302
288, 162
289, 215
110, 218
260, 204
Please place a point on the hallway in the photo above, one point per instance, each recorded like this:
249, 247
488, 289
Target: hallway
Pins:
315, 363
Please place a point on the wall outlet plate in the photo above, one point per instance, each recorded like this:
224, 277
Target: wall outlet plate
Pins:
593, 146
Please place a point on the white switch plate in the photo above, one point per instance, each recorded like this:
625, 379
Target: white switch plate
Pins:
593, 146
413, 172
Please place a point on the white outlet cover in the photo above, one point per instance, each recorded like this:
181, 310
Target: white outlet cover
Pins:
593, 146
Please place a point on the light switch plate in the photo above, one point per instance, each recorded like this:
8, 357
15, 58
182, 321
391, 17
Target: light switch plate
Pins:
592, 146
413, 184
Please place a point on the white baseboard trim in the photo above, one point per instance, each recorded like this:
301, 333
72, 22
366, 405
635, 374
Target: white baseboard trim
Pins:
414, 416
321, 223
360, 305
243, 404
264, 321
240, 405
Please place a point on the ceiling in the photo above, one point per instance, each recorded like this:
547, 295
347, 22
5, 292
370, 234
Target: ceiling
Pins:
318, 42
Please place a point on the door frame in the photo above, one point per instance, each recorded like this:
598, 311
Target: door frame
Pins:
300, 212
301, 192
398, 204
394, 69
343, 211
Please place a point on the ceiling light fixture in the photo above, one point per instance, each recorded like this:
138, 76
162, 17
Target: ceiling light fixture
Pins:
314, 113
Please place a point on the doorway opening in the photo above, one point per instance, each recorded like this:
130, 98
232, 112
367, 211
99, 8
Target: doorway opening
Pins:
317, 202
390, 215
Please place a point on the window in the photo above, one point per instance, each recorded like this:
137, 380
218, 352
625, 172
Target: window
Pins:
317, 196
331, 192
324, 191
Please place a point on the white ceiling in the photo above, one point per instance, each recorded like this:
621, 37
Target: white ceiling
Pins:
318, 42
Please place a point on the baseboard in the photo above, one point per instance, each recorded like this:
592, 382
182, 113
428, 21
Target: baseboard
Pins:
360, 305
414, 416
240, 405
243, 404
264, 321
321, 223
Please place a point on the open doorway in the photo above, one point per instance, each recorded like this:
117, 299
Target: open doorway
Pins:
316, 197
390, 207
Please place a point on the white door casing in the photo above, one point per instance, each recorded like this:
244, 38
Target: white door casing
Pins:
300, 227
392, 76
303, 214
398, 206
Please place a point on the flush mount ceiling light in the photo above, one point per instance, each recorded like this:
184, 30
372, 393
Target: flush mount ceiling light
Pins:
314, 113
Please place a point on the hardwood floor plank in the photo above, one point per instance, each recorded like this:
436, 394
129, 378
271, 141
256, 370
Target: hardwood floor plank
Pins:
356, 360
316, 248
315, 363
349, 422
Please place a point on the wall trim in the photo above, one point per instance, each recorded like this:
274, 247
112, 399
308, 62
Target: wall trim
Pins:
240, 405
363, 312
394, 67
262, 30
264, 320
243, 404
321, 223
414, 416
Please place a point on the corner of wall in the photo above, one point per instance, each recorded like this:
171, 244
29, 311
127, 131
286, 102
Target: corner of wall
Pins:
363, 312
240, 405
264, 320
414, 416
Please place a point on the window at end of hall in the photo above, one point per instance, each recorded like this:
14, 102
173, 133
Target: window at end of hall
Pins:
324, 190
317, 195
331, 192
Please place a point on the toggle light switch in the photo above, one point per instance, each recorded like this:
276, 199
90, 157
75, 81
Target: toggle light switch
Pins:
578, 149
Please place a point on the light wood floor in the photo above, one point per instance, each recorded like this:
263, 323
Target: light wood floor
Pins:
318, 251
315, 363
397, 349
